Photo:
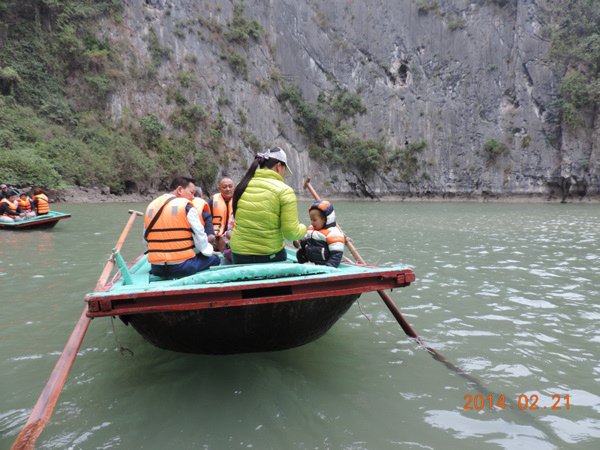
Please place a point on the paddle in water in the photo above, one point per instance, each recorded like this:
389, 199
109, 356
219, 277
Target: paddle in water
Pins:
408, 329
40, 415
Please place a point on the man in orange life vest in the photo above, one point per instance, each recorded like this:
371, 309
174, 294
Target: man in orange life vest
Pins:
221, 209
205, 216
177, 243
9, 208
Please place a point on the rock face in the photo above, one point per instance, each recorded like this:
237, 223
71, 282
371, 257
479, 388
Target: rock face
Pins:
456, 75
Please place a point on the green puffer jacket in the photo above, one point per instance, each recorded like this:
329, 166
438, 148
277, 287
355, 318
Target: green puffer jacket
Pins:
266, 215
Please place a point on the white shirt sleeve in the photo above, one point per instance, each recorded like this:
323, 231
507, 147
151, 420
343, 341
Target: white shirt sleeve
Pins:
200, 238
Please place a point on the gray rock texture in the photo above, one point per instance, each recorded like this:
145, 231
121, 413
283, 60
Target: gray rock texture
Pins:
454, 74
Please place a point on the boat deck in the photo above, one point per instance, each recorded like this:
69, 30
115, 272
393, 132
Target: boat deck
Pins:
239, 285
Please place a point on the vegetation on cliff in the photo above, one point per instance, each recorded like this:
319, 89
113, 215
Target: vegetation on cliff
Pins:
332, 140
55, 77
576, 46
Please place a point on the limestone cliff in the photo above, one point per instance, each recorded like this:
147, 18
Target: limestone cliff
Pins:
457, 75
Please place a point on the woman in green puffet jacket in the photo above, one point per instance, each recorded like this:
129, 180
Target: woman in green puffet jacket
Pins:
265, 211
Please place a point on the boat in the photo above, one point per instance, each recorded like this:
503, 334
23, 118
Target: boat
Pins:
44, 221
226, 309
239, 308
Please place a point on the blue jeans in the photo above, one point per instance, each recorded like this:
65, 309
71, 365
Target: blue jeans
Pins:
188, 267
254, 259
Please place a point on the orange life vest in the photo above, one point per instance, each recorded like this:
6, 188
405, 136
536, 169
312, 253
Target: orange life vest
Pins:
320, 245
25, 204
43, 206
11, 205
221, 210
333, 237
170, 238
201, 206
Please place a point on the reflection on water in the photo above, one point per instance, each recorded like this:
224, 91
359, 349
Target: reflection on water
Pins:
500, 431
509, 293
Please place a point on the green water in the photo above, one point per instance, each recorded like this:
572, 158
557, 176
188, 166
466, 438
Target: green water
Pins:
509, 293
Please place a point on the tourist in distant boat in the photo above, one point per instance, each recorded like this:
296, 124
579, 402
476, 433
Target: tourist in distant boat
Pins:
40, 202
9, 208
26, 206
3, 191
176, 240
205, 216
221, 209
265, 211
323, 243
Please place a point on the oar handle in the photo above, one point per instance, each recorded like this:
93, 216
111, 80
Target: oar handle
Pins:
108, 267
310, 189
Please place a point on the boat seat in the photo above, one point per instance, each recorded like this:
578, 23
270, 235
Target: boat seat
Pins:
245, 272
153, 278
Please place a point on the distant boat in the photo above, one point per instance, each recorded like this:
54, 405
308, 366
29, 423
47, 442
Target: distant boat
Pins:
239, 308
44, 221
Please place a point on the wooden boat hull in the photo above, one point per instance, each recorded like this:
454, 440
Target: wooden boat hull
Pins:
242, 329
39, 222
239, 309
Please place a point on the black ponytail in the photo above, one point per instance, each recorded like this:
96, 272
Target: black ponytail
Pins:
260, 160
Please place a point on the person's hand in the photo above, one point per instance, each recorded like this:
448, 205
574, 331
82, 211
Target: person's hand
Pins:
211, 239
222, 243
296, 244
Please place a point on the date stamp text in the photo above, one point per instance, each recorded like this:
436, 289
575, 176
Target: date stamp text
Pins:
523, 402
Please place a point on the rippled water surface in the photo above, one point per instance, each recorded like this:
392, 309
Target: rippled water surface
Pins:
509, 293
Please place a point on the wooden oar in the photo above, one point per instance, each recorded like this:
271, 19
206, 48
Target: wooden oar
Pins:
434, 353
40, 415
408, 329
384, 295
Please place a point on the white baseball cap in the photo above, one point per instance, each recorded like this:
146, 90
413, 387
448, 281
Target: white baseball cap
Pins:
279, 154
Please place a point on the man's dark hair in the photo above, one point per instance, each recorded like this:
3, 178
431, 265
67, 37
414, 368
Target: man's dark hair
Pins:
181, 181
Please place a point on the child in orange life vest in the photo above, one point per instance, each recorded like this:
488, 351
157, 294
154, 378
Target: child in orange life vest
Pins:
323, 243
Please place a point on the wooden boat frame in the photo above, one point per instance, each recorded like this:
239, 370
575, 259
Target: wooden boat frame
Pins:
215, 296
241, 316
